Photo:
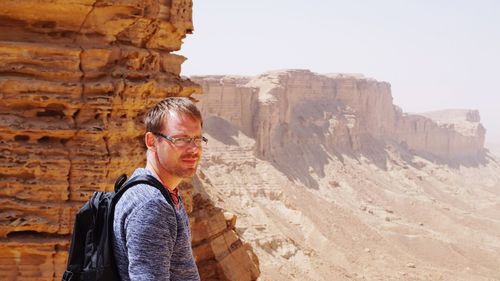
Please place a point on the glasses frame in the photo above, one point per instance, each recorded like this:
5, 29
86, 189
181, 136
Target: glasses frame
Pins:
175, 141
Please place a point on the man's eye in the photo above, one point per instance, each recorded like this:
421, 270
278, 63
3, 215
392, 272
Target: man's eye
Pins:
182, 140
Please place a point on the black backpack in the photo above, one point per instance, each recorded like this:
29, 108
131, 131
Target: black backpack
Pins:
91, 252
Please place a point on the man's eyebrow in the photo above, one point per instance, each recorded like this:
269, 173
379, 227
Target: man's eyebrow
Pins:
184, 136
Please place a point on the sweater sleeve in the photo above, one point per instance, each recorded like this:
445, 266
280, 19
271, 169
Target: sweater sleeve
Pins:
150, 234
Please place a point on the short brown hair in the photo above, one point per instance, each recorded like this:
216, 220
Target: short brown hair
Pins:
156, 116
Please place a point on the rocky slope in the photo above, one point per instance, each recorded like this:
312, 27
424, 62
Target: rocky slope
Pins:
494, 147
75, 79
331, 181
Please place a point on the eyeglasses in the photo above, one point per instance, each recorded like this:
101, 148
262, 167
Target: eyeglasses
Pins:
184, 141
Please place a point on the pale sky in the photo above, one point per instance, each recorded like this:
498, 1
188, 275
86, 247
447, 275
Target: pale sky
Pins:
436, 54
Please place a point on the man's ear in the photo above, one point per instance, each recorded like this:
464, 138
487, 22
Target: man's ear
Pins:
150, 141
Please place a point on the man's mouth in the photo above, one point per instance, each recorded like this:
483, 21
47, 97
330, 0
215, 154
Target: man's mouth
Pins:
189, 161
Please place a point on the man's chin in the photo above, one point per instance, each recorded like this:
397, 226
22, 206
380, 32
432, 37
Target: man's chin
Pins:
187, 173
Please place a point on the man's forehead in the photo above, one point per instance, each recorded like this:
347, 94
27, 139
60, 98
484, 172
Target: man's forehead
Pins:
180, 121
181, 116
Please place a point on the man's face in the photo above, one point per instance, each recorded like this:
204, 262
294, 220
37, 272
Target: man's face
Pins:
179, 162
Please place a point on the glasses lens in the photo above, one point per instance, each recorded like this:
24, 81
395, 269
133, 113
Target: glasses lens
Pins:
200, 141
183, 142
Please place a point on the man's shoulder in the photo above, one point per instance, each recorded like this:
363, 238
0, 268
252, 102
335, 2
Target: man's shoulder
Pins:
139, 195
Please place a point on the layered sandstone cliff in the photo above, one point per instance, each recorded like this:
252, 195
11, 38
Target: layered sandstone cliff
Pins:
75, 79
347, 113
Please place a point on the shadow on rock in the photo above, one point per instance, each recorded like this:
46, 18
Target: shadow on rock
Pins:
220, 130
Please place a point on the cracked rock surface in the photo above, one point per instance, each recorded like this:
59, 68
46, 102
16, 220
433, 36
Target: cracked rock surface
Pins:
75, 79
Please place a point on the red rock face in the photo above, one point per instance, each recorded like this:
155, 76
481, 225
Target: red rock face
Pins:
75, 80
218, 250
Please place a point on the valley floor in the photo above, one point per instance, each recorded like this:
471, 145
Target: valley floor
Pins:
350, 218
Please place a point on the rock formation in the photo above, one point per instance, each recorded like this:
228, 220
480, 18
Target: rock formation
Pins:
75, 79
218, 250
331, 181
347, 111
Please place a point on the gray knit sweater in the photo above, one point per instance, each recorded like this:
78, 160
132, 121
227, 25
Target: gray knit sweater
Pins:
152, 239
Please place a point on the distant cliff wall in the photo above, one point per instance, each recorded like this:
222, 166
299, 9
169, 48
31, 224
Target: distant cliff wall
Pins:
344, 113
445, 140
228, 98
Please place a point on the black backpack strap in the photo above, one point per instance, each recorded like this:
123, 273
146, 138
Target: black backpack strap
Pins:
67, 276
121, 186
120, 181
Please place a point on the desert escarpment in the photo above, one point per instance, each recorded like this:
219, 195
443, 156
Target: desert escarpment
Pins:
349, 112
75, 79
331, 181
461, 138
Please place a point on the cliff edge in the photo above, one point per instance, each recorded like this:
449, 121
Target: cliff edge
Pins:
331, 181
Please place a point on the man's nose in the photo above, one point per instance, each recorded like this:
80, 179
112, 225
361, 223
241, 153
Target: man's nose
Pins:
192, 146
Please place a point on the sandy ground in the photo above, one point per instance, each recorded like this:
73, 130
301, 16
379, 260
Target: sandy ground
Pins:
352, 219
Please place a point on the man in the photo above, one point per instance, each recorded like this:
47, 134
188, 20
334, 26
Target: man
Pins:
152, 238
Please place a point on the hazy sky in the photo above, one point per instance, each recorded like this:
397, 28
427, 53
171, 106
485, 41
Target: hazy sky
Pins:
436, 54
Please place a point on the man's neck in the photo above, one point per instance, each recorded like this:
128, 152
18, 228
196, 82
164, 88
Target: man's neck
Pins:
167, 180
